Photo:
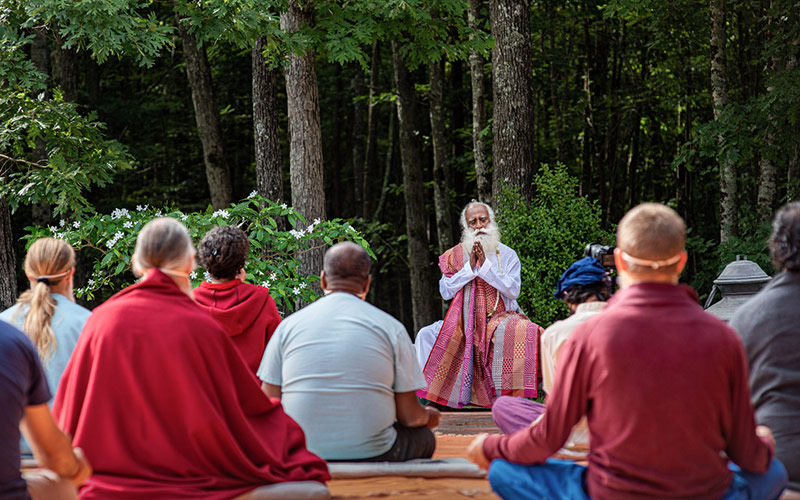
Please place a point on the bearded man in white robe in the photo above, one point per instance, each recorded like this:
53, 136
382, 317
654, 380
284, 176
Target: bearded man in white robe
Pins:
485, 347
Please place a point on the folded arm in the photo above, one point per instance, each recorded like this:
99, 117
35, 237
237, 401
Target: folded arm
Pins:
507, 282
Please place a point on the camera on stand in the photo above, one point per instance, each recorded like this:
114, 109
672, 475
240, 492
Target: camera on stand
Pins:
604, 254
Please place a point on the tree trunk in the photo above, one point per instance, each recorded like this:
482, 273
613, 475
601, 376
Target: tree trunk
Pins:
513, 89
588, 118
358, 141
266, 129
305, 135
719, 95
441, 184
420, 268
207, 118
387, 168
484, 185
8, 263
64, 62
371, 153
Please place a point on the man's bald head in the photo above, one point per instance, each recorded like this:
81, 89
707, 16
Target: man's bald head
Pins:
346, 261
651, 232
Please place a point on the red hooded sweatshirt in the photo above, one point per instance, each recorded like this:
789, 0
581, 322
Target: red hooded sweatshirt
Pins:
246, 312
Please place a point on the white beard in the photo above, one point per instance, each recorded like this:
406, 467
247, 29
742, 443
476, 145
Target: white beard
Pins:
489, 237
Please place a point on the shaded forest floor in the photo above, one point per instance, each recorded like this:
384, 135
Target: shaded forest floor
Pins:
455, 432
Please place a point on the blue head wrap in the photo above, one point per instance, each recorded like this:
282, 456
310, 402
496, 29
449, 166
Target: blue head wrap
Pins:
582, 272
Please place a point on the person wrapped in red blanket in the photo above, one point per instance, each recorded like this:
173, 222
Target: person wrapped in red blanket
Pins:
160, 399
485, 347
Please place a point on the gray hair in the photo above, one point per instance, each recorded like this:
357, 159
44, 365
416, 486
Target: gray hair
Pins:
162, 243
471, 204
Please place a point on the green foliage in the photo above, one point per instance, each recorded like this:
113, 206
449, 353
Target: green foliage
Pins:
548, 235
110, 239
78, 155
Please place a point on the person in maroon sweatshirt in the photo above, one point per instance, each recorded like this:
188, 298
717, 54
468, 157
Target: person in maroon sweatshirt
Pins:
246, 312
663, 385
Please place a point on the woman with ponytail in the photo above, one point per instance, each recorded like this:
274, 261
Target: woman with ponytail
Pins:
47, 312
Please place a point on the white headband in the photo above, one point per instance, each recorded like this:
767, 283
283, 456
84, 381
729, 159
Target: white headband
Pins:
654, 264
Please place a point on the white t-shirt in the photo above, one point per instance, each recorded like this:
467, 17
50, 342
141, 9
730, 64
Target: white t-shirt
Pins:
339, 362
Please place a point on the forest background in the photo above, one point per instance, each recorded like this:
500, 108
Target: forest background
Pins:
387, 116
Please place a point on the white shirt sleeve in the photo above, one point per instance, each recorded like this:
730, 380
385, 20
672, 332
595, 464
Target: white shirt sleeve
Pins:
407, 373
269, 370
509, 281
449, 287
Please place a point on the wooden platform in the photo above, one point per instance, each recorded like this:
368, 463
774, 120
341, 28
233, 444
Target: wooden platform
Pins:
456, 430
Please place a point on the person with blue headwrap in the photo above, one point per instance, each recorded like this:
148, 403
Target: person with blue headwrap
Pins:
584, 286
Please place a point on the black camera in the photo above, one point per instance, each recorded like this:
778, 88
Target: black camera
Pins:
604, 254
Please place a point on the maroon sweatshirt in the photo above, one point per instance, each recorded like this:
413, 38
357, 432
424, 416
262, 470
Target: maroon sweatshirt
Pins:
664, 386
246, 312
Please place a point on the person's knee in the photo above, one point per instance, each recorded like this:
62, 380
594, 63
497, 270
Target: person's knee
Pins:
500, 471
428, 443
777, 473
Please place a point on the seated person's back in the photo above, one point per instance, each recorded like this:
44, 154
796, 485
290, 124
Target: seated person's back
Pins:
338, 364
159, 397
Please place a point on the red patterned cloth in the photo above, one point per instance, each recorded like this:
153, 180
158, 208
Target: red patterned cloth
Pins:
163, 405
482, 351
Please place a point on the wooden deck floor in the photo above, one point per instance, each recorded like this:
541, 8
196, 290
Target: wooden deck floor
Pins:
455, 432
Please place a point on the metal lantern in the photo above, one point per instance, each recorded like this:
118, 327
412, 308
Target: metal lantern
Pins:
738, 282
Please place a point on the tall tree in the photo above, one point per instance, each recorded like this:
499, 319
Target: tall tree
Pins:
266, 128
513, 89
305, 134
484, 188
206, 116
8, 264
414, 194
719, 93
441, 184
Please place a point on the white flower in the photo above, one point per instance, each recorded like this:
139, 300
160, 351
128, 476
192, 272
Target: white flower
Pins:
119, 234
76, 224
273, 277
119, 213
207, 276
61, 223
53, 229
158, 213
283, 206
310, 229
265, 284
351, 228
221, 213
297, 234
296, 291
193, 274
252, 195
60, 236
317, 221
111, 243
184, 217
128, 224
302, 285
140, 208
91, 282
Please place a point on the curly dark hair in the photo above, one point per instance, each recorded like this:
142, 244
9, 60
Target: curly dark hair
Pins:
784, 243
578, 294
223, 250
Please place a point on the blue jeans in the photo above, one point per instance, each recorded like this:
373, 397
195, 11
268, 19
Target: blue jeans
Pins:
564, 480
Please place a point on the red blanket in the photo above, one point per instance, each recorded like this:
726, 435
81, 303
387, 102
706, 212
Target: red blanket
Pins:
164, 407
482, 351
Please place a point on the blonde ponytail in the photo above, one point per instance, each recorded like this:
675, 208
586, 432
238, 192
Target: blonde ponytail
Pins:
47, 262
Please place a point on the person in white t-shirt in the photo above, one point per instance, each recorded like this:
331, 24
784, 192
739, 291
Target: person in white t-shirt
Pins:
347, 372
